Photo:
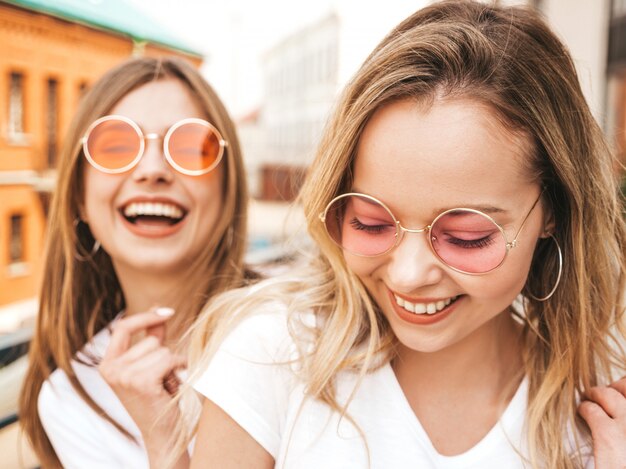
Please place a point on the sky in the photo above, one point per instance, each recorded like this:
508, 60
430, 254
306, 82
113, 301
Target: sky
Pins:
236, 33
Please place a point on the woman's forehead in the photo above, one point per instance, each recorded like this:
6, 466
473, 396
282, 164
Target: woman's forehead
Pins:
455, 145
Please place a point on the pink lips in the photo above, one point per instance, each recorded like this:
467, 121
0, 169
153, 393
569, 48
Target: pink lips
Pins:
420, 319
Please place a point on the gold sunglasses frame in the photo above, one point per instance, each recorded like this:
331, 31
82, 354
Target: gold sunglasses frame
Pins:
153, 136
400, 230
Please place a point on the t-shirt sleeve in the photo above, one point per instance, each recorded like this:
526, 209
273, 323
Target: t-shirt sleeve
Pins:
76, 438
251, 378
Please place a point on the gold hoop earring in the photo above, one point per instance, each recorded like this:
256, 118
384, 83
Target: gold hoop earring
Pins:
94, 249
558, 277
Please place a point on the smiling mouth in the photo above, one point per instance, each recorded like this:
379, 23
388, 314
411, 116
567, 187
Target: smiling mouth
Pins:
153, 213
424, 308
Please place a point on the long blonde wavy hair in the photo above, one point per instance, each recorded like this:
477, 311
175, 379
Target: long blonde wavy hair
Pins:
508, 59
81, 294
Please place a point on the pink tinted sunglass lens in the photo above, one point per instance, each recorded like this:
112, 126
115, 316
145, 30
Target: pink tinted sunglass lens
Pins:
194, 146
113, 144
468, 241
361, 225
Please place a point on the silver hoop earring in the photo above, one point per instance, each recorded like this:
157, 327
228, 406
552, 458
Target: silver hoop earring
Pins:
558, 277
94, 249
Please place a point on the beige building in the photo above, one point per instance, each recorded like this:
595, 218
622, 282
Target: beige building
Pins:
304, 72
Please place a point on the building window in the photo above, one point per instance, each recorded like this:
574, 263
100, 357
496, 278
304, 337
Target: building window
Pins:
52, 121
16, 240
82, 89
16, 104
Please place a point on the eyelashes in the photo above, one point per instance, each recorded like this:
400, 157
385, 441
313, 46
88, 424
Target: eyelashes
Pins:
357, 225
471, 243
479, 243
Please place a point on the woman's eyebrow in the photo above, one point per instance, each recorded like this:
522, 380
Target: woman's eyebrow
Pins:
487, 209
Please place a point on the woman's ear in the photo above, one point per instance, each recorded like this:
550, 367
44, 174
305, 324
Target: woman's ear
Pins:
82, 213
549, 223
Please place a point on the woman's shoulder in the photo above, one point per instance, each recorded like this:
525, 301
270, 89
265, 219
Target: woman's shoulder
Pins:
83, 365
58, 393
253, 373
271, 330
81, 437
59, 400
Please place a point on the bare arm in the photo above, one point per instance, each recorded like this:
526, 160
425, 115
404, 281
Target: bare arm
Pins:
222, 443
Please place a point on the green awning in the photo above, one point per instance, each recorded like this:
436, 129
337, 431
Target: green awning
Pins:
119, 16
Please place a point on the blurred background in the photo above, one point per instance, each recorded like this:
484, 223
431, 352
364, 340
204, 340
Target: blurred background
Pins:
277, 64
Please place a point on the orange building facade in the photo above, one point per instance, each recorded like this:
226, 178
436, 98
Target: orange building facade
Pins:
46, 64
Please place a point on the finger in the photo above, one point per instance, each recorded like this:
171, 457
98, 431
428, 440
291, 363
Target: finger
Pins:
146, 362
124, 329
158, 330
139, 350
154, 366
146, 375
179, 362
611, 400
594, 415
620, 386
134, 364
112, 369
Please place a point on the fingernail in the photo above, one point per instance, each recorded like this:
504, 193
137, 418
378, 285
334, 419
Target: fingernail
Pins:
164, 311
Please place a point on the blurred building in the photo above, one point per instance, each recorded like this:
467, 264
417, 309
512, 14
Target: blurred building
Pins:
301, 76
250, 132
50, 53
617, 76
305, 71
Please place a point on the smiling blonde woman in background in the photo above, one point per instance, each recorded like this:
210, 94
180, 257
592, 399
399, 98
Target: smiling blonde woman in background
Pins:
147, 222
466, 305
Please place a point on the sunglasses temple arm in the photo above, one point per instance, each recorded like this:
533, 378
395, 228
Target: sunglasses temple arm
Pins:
514, 242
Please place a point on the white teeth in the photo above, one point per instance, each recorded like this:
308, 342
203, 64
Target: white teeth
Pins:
422, 308
158, 209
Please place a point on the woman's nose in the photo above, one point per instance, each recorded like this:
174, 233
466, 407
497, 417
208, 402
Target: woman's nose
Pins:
413, 264
153, 167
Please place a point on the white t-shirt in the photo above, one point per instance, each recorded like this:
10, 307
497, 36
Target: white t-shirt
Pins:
80, 437
251, 379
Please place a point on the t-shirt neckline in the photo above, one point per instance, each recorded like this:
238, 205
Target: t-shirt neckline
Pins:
504, 430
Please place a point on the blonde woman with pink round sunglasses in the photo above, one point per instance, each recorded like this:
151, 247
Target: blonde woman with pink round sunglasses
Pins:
465, 309
148, 222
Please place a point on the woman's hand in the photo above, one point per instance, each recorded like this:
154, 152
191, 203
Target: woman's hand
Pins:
604, 410
142, 375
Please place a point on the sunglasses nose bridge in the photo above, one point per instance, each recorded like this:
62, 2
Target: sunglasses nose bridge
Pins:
426, 229
402, 230
150, 136
153, 163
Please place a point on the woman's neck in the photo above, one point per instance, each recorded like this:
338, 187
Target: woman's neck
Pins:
144, 291
459, 393
489, 359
